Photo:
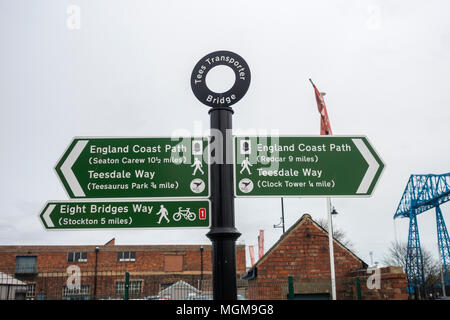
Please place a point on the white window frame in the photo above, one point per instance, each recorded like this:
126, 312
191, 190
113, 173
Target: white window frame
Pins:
83, 291
136, 287
74, 254
31, 290
122, 259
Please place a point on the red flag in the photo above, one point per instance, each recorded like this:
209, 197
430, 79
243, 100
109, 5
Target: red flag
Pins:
261, 244
252, 255
325, 126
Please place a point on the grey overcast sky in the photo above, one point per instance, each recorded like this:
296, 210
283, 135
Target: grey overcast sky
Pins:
385, 66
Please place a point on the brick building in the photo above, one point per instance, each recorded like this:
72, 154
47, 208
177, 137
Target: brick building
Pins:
46, 269
303, 253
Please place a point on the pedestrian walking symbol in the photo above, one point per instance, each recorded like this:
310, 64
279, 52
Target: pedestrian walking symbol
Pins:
246, 164
163, 214
197, 166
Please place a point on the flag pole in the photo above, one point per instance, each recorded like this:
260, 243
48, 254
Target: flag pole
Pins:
330, 217
330, 241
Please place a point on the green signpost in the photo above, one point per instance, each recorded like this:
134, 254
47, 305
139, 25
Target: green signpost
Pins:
305, 166
164, 182
136, 167
98, 214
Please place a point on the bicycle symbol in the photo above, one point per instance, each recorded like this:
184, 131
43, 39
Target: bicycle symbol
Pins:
186, 214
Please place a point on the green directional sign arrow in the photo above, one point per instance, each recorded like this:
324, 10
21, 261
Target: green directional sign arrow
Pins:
305, 166
75, 214
136, 167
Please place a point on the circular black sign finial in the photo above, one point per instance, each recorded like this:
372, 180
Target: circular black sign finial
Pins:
223, 99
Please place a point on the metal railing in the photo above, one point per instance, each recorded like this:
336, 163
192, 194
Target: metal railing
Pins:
119, 282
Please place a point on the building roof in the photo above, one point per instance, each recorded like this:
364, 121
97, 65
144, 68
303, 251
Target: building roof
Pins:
179, 290
108, 247
251, 273
6, 279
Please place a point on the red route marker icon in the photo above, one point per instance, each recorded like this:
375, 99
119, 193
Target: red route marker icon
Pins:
202, 213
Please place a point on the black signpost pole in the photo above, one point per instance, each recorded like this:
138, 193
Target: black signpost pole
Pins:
223, 233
